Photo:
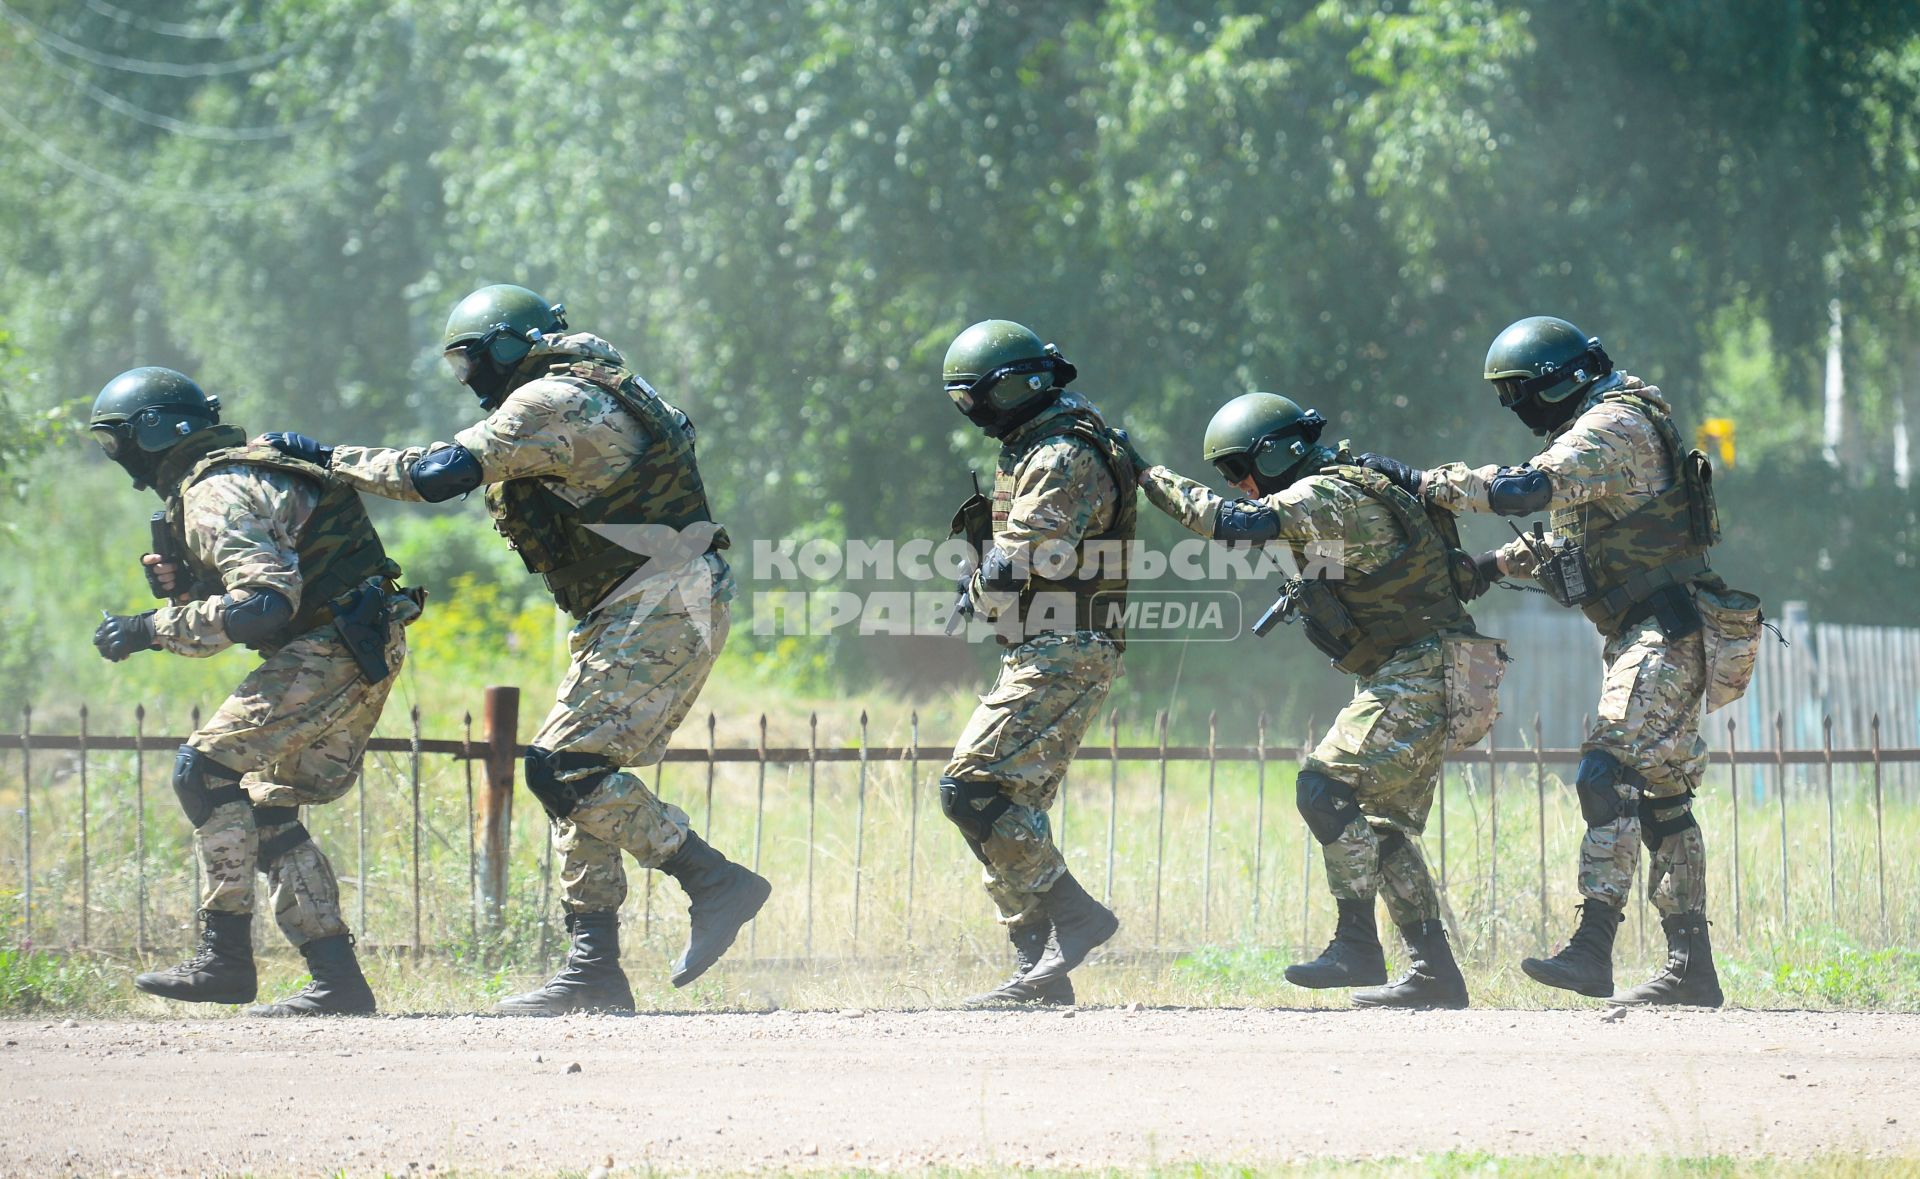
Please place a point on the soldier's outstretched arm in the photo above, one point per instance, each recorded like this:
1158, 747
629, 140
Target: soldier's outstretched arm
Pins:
1285, 515
515, 441
1597, 457
240, 523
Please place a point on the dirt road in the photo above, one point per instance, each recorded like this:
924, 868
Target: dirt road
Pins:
879, 1088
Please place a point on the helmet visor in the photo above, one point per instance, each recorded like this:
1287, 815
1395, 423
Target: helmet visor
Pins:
460, 360
116, 438
1512, 390
962, 397
1234, 467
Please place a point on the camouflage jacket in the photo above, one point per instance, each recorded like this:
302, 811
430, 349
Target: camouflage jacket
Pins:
242, 523
1062, 493
574, 437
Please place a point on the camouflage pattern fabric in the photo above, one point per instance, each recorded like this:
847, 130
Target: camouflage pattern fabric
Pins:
637, 668
242, 523
1062, 493
1649, 718
1387, 744
1608, 461
1022, 738
1389, 741
639, 660
562, 429
297, 728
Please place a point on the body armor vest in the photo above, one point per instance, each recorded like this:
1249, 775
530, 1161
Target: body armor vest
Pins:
1661, 543
339, 550
1100, 595
662, 486
1360, 620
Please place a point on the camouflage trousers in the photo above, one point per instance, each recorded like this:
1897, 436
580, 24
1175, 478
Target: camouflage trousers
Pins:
637, 668
1387, 744
1649, 718
1021, 738
297, 729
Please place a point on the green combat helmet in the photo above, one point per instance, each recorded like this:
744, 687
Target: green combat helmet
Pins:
145, 412
491, 331
1263, 435
1540, 365
981, 364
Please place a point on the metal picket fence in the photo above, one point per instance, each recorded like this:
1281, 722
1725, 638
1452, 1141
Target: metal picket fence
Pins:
440, 857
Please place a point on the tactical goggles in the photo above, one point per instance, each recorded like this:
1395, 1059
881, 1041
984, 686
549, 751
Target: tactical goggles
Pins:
503, 343
1589, 365
967, 395
150, 430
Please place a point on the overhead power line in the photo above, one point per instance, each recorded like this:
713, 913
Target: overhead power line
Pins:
167, 28
135, 65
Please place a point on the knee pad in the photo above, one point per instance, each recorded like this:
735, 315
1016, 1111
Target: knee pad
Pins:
1597, 783
1326, 803
272, 847
973, 807
201, 784
1656, 831
562, 780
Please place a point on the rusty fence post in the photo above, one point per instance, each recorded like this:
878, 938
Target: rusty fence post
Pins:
1259, 812
413, 790
140, 821
87, 861
1160, 832
713, 758
1206, 863
1879, 827
813, 763
860, 831
759, 824
1113, 793
1306, 855
1833, 842
1780, 789
913, 811
1493, 846
1540, 801
500, 736
26, 820
473, 862
1733, 788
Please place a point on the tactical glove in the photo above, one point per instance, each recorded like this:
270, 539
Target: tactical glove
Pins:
120, 635
1139, 461
299, 446
1398, 473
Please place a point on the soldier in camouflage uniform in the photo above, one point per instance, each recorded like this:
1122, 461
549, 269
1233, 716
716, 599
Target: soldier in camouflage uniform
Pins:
273, 553
591, 477
1632, 517
1389, 613
1052, 581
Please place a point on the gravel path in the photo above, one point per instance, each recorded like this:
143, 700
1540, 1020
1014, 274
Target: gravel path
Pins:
818, 1089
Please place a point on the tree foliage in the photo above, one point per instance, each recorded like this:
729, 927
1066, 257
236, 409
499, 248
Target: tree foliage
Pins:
783, 209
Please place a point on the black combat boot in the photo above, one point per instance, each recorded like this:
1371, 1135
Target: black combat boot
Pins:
723, 896
221, 971
1432, 978
338, 987
1352, 959
1585, 964
1079, 924
1029, 946
589, 980
1689, 979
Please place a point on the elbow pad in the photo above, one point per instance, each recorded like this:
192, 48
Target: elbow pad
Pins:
1245, 520
444, 473
1519, 491
258, 616
998, 574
